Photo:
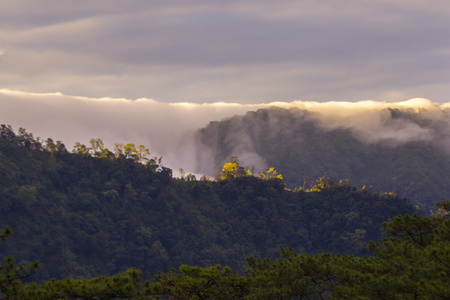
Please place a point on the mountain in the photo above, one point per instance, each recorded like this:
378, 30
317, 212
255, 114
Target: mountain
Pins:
406, 153
95, 212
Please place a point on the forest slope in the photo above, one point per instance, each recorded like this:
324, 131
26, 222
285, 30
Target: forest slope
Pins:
302, 148
83, 216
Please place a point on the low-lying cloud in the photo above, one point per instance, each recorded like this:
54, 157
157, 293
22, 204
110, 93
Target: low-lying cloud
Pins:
168, 129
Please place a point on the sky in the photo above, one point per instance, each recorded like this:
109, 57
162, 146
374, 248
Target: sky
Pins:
152, 72
228, 51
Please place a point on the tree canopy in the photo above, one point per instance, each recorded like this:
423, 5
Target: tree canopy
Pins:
83, 215
301, 148
411, 263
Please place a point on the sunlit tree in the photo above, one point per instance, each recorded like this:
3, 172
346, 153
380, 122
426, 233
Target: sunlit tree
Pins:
142, 153
270, 174
232, 169
97, 146
79, 148
118, 150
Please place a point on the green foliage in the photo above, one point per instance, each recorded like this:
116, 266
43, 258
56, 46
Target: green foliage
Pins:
401, 268
120, 286
271, 173
292, 276
83, 216
81, 149
11, 274
232, 169
91, 213
188, 282
128, 151
299, 147
229, 170
413, 263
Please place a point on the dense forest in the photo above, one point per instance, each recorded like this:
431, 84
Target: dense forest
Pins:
92, 211
412, 263
302, 148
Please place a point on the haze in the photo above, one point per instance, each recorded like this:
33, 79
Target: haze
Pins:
167, 129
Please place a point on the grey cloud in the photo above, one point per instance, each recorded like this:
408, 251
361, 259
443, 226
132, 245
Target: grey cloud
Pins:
249, 51
216, 36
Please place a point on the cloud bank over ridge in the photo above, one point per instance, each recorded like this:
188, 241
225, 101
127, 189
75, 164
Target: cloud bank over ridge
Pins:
167, 129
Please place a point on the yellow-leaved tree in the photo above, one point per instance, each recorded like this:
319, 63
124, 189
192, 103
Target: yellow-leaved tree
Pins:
232, 169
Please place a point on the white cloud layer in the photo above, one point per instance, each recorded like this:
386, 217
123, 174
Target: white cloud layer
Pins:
167, 129
232, 51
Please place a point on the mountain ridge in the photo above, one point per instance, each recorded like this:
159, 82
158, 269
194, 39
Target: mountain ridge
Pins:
83, 216
302, 148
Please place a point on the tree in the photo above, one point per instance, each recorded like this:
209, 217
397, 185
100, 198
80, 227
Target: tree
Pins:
125, 285
79, 148
189, 282
60, 147
50, 145
292, 276
118, 151
6, 132
142, 153
191, 177
182, 173
131, 152
25, 139
232, 169
270, 174
413, 263
12, 274
97, 147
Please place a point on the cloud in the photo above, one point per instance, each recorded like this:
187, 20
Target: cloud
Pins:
375, 121
233, 51
164, 128
168, 129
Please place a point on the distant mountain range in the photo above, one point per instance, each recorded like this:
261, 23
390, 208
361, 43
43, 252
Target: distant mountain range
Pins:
406, 152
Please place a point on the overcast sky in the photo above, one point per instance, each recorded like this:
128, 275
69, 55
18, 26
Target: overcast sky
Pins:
232, 51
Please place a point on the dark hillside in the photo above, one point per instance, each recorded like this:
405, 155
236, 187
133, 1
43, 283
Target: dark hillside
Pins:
300, 148
82, 216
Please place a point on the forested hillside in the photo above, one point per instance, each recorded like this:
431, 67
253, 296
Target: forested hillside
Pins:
411, 263
97, 212
303, 149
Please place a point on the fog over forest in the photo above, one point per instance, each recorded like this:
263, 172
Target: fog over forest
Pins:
168, 129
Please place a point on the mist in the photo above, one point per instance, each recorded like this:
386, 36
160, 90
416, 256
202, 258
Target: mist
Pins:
168, 129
